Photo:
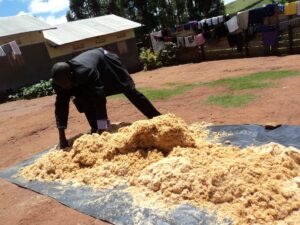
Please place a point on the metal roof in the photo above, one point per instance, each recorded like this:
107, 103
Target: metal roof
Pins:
88, 28
21, 24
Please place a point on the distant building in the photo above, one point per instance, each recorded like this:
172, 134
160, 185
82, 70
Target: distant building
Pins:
42, 45
111, 32
26, 30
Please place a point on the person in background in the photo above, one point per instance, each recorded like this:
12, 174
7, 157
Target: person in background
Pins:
90, 78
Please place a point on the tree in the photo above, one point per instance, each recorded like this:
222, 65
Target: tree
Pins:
153, 15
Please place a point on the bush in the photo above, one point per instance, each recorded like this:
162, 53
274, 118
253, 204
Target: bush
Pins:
150, 59
43, 88
167, 56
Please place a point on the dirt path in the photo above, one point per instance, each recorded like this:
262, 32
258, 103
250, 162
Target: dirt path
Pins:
27, 127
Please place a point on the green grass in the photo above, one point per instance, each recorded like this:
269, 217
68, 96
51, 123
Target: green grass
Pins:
162, 94
253, 81
228, 100
240, 5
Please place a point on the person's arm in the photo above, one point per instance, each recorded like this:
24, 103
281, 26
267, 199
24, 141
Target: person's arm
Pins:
61, 115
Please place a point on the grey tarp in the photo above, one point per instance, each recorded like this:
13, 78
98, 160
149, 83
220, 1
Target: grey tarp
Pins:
116, 206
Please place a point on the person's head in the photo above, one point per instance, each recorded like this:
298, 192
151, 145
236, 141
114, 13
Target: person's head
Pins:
62, 75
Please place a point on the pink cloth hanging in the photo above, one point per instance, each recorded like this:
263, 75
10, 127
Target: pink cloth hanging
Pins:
200, 40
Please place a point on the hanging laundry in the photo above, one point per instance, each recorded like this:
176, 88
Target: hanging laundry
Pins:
190, 41
264, 28
232, 24
281, 8
9, 54
200, 39
2, 53
199, 25
221, 19
269, 10
180, 41
206, 31
15, 48
243, 19
256, 16
16, 53
270, 38
194, 25
274, 19
215, 21
203, 22
156, 40
290, 9
209, 21
298, 8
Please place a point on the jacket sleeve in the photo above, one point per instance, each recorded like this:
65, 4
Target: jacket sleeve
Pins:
61, 107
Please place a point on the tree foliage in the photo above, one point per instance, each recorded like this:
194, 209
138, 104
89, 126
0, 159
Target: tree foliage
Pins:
154, 14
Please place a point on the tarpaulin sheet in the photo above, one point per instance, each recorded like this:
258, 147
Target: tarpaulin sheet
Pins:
116, 206
246, 135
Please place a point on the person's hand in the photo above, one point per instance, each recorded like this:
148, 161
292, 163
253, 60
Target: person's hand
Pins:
63, 143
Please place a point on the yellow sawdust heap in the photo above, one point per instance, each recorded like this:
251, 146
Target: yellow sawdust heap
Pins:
166, 164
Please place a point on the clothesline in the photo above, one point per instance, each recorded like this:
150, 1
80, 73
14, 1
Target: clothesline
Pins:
264, 20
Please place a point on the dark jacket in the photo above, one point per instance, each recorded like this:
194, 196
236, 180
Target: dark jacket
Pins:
97, 74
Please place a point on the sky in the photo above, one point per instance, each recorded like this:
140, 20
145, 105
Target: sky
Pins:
51, 11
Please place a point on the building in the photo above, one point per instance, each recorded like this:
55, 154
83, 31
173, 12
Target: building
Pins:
26, 30
42, 45
111, 32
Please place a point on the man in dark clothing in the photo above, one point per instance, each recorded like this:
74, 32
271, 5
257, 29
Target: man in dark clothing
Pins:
90, 77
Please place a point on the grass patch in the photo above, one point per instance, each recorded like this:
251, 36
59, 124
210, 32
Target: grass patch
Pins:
162, 94
253, 81
228, 100
241, 5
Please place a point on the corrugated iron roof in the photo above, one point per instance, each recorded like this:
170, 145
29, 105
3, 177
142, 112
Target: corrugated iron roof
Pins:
88, 28
21, 24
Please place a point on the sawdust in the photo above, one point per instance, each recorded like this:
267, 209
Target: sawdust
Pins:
113, 158
165, 164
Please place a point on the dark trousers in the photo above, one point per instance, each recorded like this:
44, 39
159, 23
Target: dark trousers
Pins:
134, 96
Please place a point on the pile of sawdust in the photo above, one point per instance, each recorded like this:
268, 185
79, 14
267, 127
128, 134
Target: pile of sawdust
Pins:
114, 158
166, 164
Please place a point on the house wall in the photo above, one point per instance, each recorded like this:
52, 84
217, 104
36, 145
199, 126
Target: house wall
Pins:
35, 64
121, 43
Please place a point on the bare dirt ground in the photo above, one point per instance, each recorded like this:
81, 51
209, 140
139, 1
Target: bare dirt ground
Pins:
28, 126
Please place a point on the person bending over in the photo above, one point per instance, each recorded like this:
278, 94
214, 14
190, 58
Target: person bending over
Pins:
90, 77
